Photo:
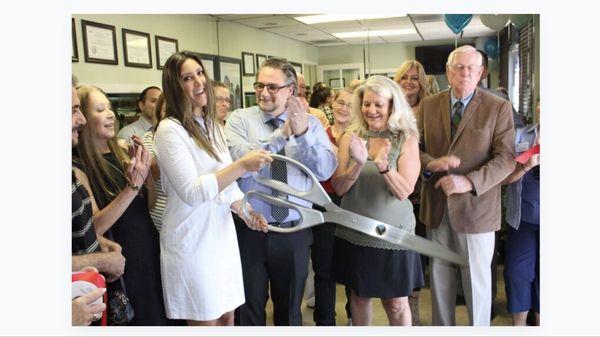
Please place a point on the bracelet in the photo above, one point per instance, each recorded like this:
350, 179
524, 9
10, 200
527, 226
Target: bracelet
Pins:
387, 169
135, 187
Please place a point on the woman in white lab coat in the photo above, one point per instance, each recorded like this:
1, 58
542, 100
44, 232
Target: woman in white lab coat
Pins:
200, 262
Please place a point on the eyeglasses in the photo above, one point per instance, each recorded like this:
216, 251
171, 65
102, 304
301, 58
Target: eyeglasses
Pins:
223, 99
272, 88
460, 67
342, 104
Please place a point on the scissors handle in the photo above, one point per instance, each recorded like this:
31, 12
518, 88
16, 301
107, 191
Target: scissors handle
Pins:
316, 194
308, 216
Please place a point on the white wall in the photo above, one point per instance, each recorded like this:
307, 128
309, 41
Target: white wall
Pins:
193, 32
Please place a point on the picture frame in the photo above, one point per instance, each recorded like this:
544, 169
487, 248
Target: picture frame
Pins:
260, 58
337, 82
74, 52
270, 57
297, 66
99, 42
230, 73
249, 99
248, 62
165, 47
211, 67
136, 48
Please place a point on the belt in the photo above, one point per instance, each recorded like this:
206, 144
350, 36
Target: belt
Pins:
288, 224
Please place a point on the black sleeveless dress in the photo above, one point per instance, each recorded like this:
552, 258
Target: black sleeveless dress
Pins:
138, 237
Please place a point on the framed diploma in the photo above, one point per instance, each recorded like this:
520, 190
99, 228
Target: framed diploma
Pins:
99, 42
74, 52
248, 62
165, 47
260, 58
136, 48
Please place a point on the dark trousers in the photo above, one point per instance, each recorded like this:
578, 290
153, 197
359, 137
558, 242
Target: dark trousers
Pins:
322, 258
421, 231
322, 255
278, 259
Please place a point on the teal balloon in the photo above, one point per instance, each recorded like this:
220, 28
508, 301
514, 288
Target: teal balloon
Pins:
457, 22
491, 47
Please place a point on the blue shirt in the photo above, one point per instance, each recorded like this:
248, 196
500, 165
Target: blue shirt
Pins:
465, 101
249, 129
522, 198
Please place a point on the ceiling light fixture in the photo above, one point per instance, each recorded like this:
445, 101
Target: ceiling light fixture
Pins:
365, 33
312, 19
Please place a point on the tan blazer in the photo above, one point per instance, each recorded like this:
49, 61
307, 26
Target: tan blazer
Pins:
485, 144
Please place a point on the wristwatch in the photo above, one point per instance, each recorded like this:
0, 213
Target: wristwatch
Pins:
387, 169
427, 174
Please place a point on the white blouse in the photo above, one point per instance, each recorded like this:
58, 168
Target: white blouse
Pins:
200, 262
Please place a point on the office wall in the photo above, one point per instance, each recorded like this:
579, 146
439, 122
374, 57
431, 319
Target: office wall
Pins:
198, 33
386, 56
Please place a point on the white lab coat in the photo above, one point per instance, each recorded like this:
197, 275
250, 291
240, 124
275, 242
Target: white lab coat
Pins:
200, 261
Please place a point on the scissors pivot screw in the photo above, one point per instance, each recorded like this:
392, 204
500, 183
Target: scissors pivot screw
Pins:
380, 229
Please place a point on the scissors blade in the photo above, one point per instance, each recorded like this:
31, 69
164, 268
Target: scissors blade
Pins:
397, 237
308, 216
316, 194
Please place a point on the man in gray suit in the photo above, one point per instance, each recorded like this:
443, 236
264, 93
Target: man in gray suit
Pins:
467, 149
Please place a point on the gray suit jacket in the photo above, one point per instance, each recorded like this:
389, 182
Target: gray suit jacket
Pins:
484, 143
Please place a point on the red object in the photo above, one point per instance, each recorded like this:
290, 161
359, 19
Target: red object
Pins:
84, 282
524, 157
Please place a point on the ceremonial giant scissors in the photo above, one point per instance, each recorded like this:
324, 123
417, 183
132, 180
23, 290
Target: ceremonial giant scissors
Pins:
398, 238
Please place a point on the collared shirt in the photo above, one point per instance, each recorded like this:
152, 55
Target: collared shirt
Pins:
138, 128
249, 129
522, 198
465, 101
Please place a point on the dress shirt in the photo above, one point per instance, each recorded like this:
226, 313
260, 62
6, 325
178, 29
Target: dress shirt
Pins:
138, 128
525, 138
465, 101
249, 129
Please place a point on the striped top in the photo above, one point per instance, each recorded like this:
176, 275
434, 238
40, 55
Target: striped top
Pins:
83, 234
156, 212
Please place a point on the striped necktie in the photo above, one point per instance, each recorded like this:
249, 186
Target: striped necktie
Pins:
456, 117
278, 172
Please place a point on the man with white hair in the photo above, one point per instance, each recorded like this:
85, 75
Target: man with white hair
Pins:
467, 149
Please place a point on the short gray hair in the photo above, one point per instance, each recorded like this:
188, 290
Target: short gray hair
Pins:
462, 50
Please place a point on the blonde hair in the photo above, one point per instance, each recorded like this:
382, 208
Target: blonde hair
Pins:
422, 77
347, 90
434, 87
401, 119
104, 181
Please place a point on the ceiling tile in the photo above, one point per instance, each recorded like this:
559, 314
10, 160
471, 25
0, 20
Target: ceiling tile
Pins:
235, 17
402, 38
268, 21
361, 41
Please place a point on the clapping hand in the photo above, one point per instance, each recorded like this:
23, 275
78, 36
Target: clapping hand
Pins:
297, 115
136, 170
381, 156
358, 150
